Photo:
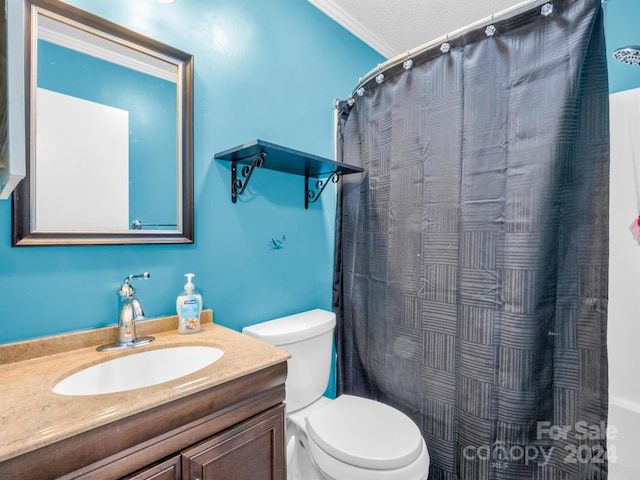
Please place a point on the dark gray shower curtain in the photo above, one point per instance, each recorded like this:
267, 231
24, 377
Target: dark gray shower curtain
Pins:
472, 254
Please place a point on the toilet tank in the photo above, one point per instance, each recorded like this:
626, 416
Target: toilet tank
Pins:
308, 337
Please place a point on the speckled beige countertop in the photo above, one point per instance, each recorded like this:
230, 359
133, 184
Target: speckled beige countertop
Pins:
32, 416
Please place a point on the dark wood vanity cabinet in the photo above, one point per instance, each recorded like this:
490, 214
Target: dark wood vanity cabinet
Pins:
252, 450
233, 431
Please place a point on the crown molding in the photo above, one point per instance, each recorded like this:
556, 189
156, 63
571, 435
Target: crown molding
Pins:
344, 18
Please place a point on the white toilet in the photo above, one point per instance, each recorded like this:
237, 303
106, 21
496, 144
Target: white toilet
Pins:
349, 438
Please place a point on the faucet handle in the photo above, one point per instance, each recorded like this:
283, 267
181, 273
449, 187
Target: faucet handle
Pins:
127, 290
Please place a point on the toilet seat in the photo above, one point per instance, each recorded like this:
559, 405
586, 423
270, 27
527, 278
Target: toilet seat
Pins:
364, 433
334, 469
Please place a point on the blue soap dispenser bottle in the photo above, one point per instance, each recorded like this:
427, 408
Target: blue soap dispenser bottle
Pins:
189, 307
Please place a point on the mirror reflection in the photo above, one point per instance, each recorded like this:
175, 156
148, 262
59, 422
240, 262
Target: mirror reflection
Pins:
110, 134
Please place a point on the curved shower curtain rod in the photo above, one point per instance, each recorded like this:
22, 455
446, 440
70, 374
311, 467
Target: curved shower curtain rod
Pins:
398, 59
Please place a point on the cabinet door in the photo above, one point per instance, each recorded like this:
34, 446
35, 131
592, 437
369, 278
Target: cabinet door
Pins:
12, 71
252, 450
168, 470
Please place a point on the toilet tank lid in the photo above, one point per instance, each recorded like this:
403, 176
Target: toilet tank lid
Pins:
293, 328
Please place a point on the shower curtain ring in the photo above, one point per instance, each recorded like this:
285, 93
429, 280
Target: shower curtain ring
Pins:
446, 46
380, 76
491, 28
408, 63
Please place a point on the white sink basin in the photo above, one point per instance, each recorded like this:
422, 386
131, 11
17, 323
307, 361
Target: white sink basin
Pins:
138, 370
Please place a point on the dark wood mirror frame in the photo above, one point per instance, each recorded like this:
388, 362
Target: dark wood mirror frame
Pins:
22, 196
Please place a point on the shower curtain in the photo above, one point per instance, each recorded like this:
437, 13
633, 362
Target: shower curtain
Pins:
472, 254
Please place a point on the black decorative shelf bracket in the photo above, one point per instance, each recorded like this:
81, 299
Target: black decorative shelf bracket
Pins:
239, 185
252, 155
311, 195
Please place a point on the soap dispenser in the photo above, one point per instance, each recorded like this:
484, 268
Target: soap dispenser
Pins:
189, 307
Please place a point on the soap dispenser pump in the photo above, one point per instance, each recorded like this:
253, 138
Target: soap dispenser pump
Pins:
189, 307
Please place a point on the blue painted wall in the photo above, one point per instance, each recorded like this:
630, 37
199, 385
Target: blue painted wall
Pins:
622, 29
268, 70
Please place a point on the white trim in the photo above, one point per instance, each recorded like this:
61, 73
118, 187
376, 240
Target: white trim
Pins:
11, 182
345, 19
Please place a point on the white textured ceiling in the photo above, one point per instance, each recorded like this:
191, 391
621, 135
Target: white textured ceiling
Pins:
392, 27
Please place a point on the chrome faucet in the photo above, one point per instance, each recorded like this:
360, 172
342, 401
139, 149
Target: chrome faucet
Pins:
130, 310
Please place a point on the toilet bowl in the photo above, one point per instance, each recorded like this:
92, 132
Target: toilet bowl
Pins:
359, 439
349, 438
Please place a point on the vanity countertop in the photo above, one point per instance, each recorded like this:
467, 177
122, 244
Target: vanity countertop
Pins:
32, 416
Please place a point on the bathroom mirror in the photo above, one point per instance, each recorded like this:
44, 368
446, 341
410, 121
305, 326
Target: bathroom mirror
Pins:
109, 118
